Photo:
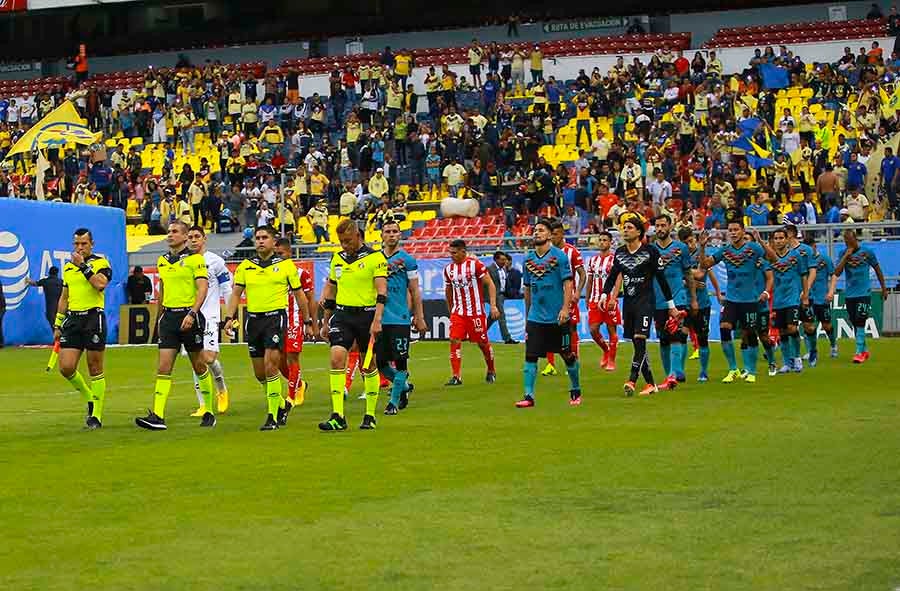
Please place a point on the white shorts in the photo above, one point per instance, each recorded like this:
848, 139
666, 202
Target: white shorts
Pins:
211, 335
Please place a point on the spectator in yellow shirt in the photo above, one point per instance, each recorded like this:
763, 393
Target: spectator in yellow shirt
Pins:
271, 135
455, 175
475, 55
318, 219
403, 62
537, 64
378, 185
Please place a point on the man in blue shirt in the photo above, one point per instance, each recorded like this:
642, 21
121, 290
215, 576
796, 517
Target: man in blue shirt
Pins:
856, 172
698, 320
757, 212
675, 265
790, 291
808, 263
857, 260
742, 297
393, 342
547, 279
889, 166
821, 294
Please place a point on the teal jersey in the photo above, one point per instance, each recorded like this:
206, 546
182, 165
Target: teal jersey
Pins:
402, 267
807, 256
789, 272
674, 262
762, 265
740, 267
544, 276
824, 271
702, 290
857, 283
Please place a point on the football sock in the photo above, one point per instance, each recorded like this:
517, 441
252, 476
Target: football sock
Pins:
530, 377
551, 359
728, 349
455, 358
273, 394
206, 390
197, 389
860, 340
751, 359
400, 377
352, 362
574, 371
77, 381
704, 359
372, 381
832, 338
678, 358
293, 379
811, 342
695, 342
786, 351
488, 352
769, 352
98, 390
601, 342
336, 380
795, 344
389, 373
665, 351
161, 395
218, 375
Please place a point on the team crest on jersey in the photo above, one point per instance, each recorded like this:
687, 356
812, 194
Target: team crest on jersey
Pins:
338, 271
275, 338
856, 259
95, 339
737, 258
539, 269
396, 267
784, 265
668, 257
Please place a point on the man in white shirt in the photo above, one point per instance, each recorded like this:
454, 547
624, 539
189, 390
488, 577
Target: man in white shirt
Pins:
219, 290
455, 175
790, 140
600, 147
660, 189
857, 205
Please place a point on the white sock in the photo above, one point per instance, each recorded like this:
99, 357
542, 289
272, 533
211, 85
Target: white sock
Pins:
218, 375
197, 390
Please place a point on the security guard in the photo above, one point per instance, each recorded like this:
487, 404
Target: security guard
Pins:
353, 299
80, 323
183, 284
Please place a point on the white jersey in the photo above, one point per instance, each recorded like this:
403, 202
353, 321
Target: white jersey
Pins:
219, 286
598, 269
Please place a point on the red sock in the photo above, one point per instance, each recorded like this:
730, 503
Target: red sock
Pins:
293, 379
352, 362
455, 358
601, 342
694, 340
574, 342
613, 342
551, 359
488, 353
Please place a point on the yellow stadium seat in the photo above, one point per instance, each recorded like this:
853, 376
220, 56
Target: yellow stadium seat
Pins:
793, 92
429, 214
137, 141
405, 225
806, 93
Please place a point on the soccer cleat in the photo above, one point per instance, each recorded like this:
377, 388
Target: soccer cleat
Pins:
404, 396
300, 394
390, 409
270, 424
773, 370
695, 354
680, 377
284, 412
750, 378
865, 355
785, 369
526, 402
702, 378
629, 388
361, 396
813, 358
222, 401
209, 420
611, 364
454, 381
368, 422
797, 367
731, 376
805, 356
574, 397
834, 352
151, 422
490, 377
335, 423
92, 424
550, 370
648, 390
605, 359
199, 412
670, 383
858, 358
744, 374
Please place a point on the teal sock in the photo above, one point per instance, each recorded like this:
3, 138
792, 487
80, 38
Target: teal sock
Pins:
665, 351
677, 359
770, 354
399, 385
388, 372
683, 358
530, 377
745, 359
786, 350
795, 344
574, 372
860, 340
752, 357
728, 349
704, 360
811, 343
832, 338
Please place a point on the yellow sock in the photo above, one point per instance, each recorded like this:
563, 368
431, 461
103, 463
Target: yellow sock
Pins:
371, 381
78, 382
273, 394
163, 387
206, 390
98, 395
336, 380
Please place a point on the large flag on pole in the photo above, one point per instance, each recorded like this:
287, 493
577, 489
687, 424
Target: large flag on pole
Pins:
62, 126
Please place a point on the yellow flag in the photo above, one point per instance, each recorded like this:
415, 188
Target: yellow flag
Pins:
759, 151
61, 127
796, 156
886, 110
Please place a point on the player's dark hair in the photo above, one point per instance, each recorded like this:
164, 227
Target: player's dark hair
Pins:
345, 225
499, 254
779, 231
662, 216
685, 233
555, 225
390, 221
790, 229
809, 239
283, 242
197, 229
458, 243
636, 222
267, 229
606, 233
546, 222
84, 232
738, 221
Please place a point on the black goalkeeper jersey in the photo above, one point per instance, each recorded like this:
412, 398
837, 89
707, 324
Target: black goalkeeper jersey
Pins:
638, 270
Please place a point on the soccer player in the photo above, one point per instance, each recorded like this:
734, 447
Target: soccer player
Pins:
763, 317
742, 297
821, 295
547, 280
807, 259
354, 298
675, 264
392, 344
857, 260
576, 262
465, 280
80, 323
789, 274
219, 281
267, 279
638, 265
183, 284
297, 319
698, 320
598, 268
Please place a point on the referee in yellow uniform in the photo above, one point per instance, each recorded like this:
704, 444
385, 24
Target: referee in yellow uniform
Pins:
80, 323
267, 279
183, 284
353, 299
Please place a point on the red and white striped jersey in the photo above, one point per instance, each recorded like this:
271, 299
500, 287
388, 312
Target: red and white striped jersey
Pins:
598, 269
295, 314
575, 260
464, 280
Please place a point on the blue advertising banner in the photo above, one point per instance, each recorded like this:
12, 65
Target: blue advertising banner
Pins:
37, 235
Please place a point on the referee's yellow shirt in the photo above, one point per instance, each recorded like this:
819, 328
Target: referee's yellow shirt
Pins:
82, 295
266, 282
355, 276
178, 273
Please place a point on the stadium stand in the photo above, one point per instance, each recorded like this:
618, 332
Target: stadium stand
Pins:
790, 33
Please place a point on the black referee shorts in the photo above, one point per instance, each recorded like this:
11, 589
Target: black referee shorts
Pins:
393, 343
85, 331
542, 338
172, 337
351, 325
264, 330
636, 319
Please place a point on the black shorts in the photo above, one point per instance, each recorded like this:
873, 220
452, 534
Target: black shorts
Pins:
636, 320
541, 338
351, 326
807, 314
858, 310
762, 320
823, 312
475, 70
742, 315
171, 335
699, 321
660, 318
393, 343
785, 317
85, 331
264, 330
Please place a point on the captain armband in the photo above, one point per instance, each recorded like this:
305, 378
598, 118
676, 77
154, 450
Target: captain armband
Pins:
381, 299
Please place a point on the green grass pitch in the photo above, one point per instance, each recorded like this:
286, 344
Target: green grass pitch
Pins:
789, 484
